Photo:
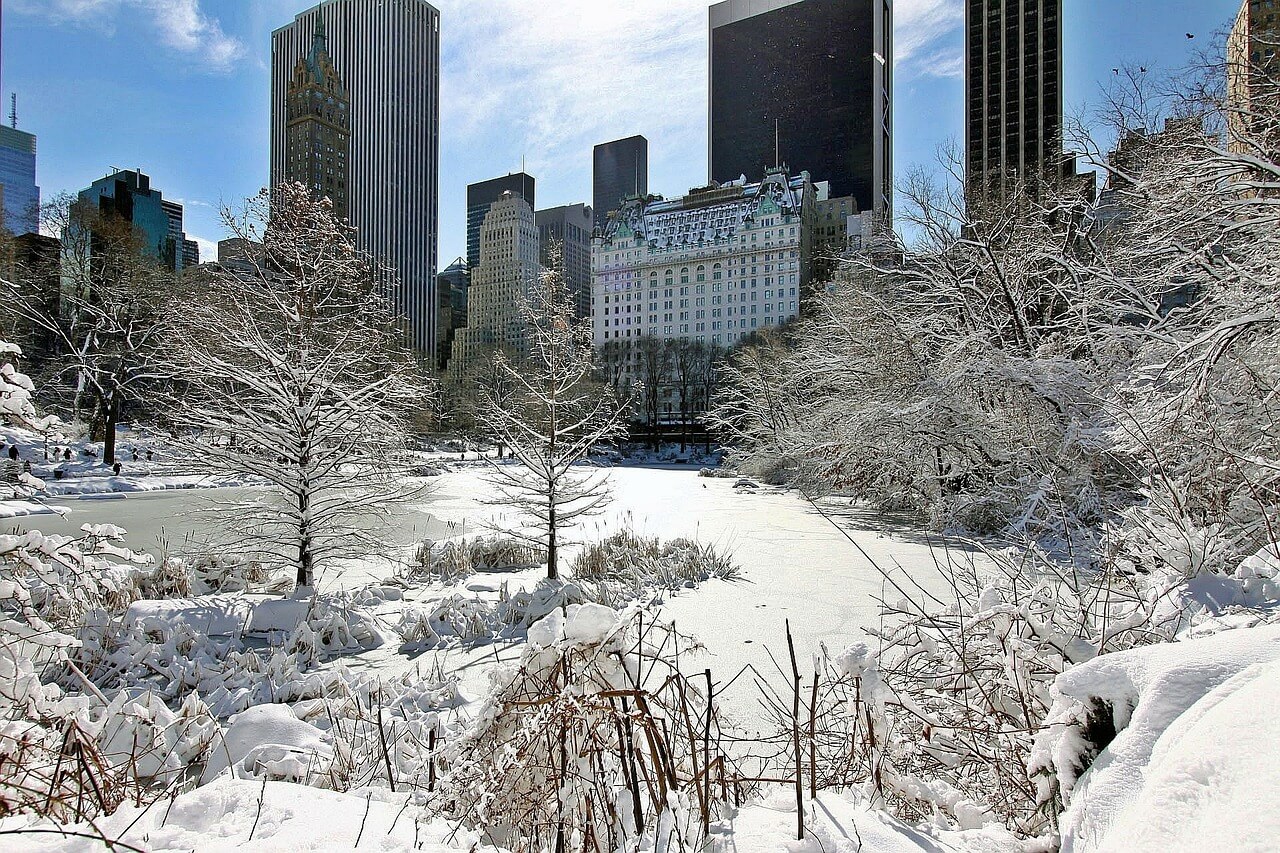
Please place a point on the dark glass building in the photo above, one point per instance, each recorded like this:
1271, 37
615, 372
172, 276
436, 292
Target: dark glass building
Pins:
805, 83
620, 169
1013, 91
481, 197
128, 196
569, 228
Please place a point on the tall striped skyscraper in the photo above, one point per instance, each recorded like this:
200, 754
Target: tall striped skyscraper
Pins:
387, 54
1013, 92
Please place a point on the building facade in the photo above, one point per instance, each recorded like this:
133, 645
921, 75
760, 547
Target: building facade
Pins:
1013, 92
387, 53
619, 170
186, 252
129, 197
569, 229
451, 286
481, 196
1253, 63
19, 194
806, 83
509, 251
318, 126
840, 231
714, 266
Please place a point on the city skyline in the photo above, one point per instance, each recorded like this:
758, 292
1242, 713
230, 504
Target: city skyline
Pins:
214, 91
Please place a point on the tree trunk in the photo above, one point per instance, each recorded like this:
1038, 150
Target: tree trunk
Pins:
109, 430
306, 559
552, 571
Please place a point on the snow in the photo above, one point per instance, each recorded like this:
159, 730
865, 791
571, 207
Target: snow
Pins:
1189, 764
841, 823
589, 624
212, 615
268, 741
239, 815
1174, 704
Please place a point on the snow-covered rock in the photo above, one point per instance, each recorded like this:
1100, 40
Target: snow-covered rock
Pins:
1193, 754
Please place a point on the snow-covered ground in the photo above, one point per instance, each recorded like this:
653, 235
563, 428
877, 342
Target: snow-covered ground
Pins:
822, 569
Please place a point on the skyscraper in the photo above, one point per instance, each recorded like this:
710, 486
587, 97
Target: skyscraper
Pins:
128, 197
186, 252
619, 169
18, 190
19, 195
451, 292
1013, 91
508, 267
808, 84
481, 196
569, 228
318, 126
387, 55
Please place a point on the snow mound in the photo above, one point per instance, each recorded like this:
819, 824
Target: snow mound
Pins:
239, 815
268, 742
579, 625
212, 615
1191, 756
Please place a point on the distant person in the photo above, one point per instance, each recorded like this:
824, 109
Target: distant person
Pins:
148, 455
117, 467
66, 454
135, 454
13, 451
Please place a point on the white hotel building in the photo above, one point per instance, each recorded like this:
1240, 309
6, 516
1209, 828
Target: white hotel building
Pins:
716, 265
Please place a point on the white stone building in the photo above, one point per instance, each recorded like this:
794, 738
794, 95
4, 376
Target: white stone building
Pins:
714, 266
509, 248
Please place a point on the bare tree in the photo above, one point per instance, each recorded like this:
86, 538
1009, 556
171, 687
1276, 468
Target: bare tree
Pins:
295, 371
653, 360
551, 413
110, 318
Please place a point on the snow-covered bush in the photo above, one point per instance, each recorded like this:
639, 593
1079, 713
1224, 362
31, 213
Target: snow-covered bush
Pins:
451, 561
216, 573
594, 742
640, 563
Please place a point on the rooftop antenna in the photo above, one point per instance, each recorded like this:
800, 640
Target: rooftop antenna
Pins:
777, 144
13, 111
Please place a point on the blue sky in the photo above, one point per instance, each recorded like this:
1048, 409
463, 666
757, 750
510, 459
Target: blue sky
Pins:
179, 87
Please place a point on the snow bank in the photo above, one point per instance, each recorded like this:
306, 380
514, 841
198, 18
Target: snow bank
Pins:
238, 815
1192, 756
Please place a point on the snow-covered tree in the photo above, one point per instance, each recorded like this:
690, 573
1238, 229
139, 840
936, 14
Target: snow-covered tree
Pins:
293, 369
550, 412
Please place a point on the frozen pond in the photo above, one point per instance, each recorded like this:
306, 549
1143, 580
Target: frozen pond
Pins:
176, 520
798, 565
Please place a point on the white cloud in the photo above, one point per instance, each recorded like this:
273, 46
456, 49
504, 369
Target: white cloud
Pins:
208, 248
181, 25
919, 27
